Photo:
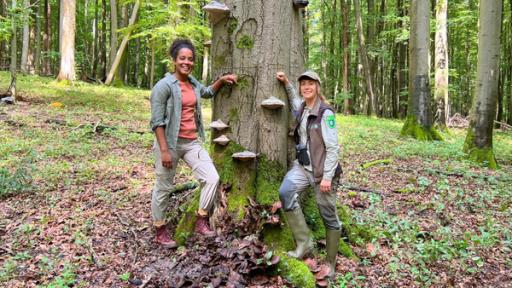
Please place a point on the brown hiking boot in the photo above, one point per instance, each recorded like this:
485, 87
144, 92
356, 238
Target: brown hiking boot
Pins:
202, 226
163, 238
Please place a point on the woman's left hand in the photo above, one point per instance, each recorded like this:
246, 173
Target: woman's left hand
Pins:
325, 186
229, 79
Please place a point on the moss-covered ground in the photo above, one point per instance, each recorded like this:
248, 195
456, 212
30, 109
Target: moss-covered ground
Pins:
75, 201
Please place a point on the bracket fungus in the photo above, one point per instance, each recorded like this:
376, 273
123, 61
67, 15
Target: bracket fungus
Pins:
221, 140
300, 3
244, 156
272, 103
216, 11
218, 125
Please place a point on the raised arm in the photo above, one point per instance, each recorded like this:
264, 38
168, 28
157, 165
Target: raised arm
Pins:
293, 97
210, 91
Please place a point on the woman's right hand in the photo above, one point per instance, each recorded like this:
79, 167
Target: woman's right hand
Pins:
281, 76
166, 159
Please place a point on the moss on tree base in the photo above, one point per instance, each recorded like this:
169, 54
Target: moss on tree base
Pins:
479, 155
414, 129
296, 271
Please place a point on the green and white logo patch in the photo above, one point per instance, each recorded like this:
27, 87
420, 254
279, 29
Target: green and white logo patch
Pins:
330, 121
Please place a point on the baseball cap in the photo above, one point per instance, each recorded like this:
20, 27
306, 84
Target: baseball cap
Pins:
310, 75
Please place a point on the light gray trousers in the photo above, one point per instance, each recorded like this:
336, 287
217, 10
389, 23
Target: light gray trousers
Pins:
204, 171
296, 181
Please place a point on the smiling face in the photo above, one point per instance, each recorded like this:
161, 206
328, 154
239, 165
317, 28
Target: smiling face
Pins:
308, 89
184, 62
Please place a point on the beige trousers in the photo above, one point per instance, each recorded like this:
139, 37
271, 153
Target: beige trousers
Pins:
203, 169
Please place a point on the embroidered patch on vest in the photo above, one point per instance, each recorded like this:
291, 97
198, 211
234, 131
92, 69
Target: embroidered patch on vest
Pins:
330, 121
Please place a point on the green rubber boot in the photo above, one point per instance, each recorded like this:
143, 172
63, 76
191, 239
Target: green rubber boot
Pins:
300, 232
332, 243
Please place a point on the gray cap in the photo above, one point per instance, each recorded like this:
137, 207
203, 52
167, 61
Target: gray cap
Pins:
311, 75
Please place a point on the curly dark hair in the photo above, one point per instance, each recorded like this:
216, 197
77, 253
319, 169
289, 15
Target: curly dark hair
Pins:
180, 43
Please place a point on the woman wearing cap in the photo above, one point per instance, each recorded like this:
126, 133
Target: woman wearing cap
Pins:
176, 121
316, 139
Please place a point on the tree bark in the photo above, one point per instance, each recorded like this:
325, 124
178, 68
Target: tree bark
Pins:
152, 67
419, 118
25, 37
47, 69
441, 64
95, 41
12, 86
103, 41
345, 8
402, 66
67, 40
37, 53
364, 60
478, 142
136, 69
113, 32
3, 43
120, 52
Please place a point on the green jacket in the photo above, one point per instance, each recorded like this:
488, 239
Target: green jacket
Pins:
166, 106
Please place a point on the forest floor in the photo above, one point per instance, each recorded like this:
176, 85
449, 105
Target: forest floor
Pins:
75, 190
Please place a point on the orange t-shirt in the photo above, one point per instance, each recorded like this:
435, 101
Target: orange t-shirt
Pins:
188, 128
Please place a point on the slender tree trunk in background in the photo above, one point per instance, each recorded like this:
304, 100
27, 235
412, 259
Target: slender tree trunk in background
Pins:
402, 66
113, 32
103, 41
145, 79
324, 40
136, 69
419, 118
47, 68
122, 47
67, 40
441, 64
12, 86
371, 60
478, 142
95, 41
345, 8
152, 67
499, 108
37, 53
331, 78
364, 60
3, 43
509, 100
25, 37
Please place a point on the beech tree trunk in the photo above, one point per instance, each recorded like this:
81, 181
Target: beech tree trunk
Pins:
364, 60
37, 52
345, 8
113, 32
26, 37
67, 40
419, 118
441, 64
12, 86
3, 43
478, 142
95, 41
47, 68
